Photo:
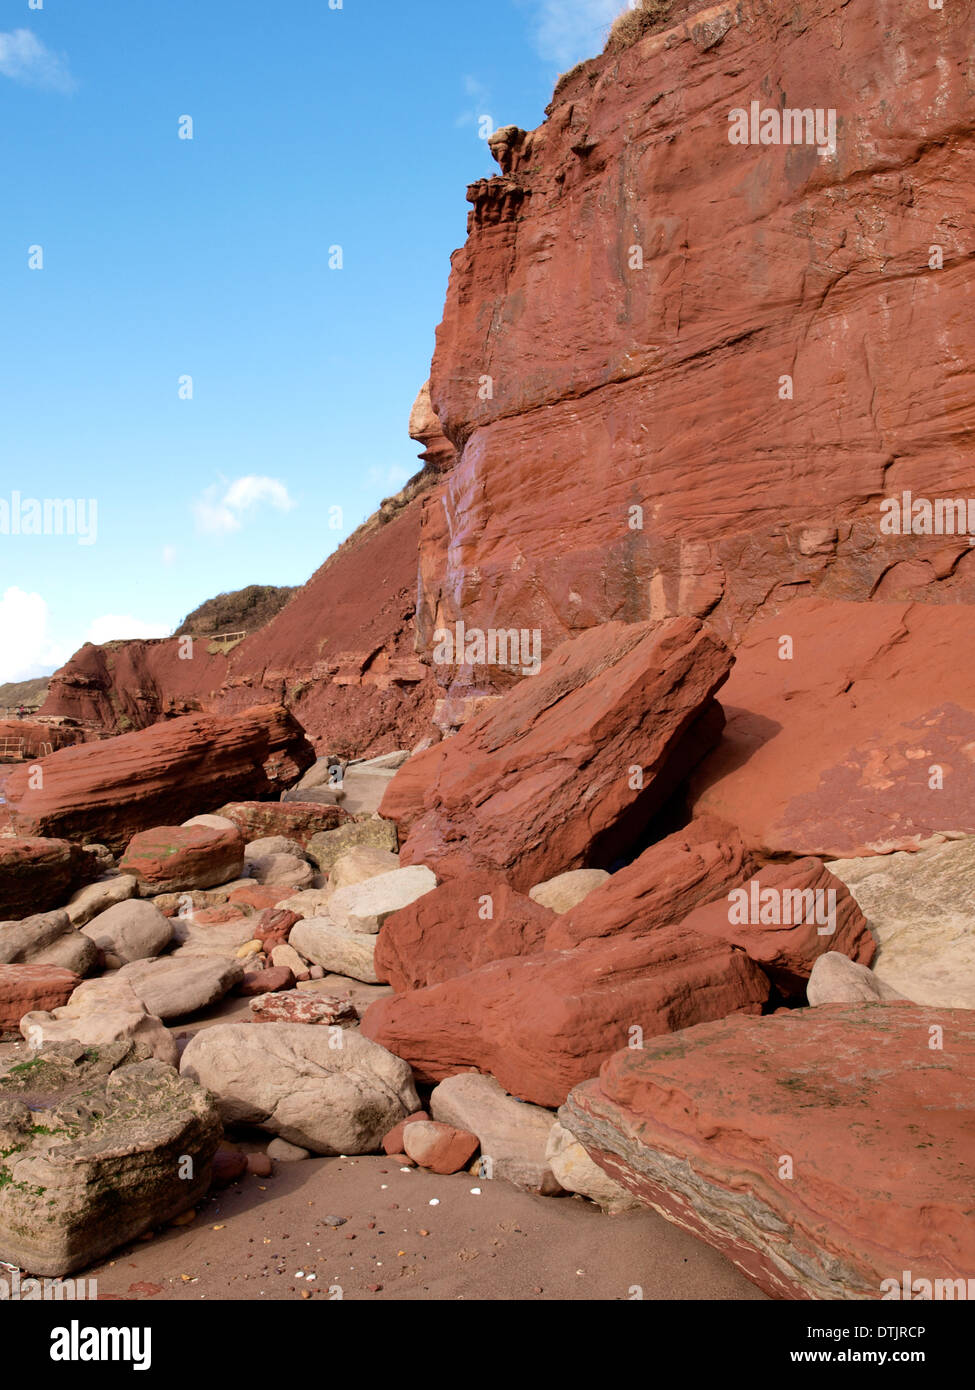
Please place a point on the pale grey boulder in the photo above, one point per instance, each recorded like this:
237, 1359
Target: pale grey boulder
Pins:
513, 1134
48, 938
131, 930
331, 1091
334, 948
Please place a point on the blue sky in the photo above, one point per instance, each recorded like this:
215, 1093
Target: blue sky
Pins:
165, 258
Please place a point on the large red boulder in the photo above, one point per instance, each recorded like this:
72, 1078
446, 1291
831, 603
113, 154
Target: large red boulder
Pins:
824, 1151
569, 766
173, 858
785, 918
109, 791
39, 874
459, 926
850, 729
542, 1023
24, 988
671, 878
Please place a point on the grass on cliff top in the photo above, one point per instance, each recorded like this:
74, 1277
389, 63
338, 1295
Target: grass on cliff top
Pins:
633, 24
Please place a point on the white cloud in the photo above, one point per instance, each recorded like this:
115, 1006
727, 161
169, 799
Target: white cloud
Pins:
219, 513
113, 627
26, 648
23, 58
169, 555
567, 31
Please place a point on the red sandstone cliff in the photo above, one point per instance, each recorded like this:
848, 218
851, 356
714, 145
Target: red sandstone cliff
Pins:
578, 386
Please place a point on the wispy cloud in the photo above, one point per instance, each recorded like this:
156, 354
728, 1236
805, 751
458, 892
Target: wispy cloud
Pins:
224, 507
24, 59
566, 31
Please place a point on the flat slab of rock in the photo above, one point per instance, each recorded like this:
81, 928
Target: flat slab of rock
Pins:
364, 907
326, 1093
47, 939
921, 909
177, 985
39, 874
109, 790
876, 1124
360, 863
334, 948
98, 1147
24, 988
513, 1136
175, 859
327, 846
301, 1006
540, 783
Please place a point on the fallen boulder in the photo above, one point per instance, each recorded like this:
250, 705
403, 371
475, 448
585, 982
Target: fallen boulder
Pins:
304, 1006
364, 906
566, 769
463, 924
177, 985
39, 874
24, 988
326, 846
755, 1135
566, 891
440, 1148
663, 885
173, 859
111, 790
99, 897
98, 1147
259, 820
785, 918
513, 1136
130, 931
332, 1095
835, 979
47, 939
350, 953
542, 1023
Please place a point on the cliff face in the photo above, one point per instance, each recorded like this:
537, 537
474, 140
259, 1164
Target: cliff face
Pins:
634, 291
